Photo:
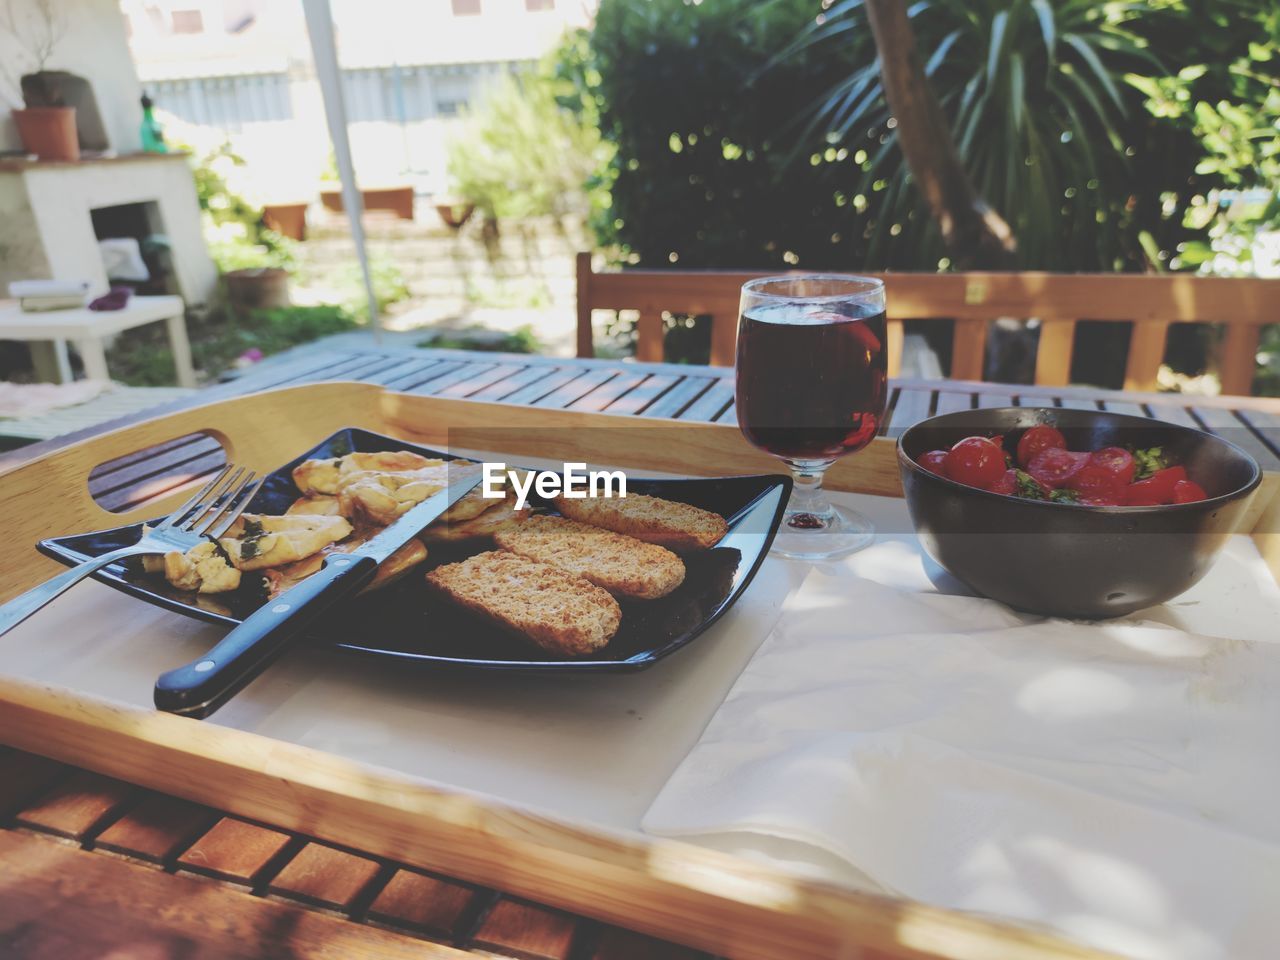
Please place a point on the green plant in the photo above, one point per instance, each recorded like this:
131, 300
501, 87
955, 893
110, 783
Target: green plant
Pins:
511, 293
521, 340
702, 132
1228, 97
1045, 118
389, 286
523, 154
235, 233
220, 338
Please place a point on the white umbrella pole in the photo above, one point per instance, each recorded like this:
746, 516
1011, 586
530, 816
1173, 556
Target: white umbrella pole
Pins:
325, 53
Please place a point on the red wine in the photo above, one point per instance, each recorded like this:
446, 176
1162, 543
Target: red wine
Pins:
811, 384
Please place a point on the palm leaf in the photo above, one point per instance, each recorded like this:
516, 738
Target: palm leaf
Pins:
995, 48
1048, 27
940, 52
1090, 57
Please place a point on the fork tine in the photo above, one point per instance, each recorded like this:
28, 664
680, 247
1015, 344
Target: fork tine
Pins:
203, 506
226, 503
204, 517
234, 515
198, 496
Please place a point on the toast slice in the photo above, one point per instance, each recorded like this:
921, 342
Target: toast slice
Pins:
677, 526
623, 565
559, 612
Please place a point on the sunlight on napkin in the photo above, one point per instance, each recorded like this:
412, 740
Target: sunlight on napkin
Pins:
1115, 781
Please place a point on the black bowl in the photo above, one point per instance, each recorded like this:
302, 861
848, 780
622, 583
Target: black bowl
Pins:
1068, 560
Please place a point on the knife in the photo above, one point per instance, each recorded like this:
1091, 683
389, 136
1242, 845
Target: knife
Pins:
202, 686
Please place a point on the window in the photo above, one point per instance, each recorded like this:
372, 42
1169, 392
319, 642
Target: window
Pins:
466, 8
187, 21
533, 6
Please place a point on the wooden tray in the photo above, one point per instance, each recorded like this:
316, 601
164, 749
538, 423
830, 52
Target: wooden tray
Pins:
715, 901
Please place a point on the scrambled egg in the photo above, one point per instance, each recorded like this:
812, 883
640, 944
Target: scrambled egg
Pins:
256, 542
345, 501
203, 569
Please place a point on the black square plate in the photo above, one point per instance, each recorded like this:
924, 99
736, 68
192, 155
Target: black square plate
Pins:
405, 623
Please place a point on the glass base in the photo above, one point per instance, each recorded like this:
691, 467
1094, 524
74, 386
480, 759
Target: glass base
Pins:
831, 532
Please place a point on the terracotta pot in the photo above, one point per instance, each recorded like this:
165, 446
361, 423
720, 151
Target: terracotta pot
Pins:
49, 132
258, 289
287, 219
455, 214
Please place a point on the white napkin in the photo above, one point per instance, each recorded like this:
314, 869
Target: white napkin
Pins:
1117, 782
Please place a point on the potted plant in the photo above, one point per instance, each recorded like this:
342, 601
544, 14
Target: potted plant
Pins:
255, 269
46, 124
454, 212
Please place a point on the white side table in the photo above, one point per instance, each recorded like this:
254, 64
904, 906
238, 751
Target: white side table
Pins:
88, 328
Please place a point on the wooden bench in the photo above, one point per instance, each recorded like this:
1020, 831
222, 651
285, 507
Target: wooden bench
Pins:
1149, 303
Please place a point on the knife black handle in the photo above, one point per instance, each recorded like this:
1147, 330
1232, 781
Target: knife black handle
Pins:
202, 686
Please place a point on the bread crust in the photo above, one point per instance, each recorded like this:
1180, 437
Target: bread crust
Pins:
559, 612
677, 526
623, 565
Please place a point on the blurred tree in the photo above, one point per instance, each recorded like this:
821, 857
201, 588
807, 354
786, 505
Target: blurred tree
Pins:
522, 153
975, 235
703, 121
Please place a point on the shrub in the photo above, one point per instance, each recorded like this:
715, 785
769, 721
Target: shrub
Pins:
522, 153
235, 233
520, 340
703, 132
1045, 123
142, 358
389, 286
755, 134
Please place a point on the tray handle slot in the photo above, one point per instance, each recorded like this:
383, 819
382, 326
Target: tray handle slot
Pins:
50, 496
142, 478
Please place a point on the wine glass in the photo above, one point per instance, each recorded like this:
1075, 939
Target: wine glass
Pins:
811, 386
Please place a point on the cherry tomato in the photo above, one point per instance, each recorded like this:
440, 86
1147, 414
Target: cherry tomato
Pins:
1054, 467
1156, 489
1007, 484
1036, 439
1188, 491
975, 461
1117, 460
934, 461
1095, 482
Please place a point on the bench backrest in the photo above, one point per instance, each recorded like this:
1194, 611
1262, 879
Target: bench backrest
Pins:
970, 301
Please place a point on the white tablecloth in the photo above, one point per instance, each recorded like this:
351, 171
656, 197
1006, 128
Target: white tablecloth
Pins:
1115, 781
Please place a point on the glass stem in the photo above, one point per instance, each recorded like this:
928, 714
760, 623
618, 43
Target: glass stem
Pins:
807, 500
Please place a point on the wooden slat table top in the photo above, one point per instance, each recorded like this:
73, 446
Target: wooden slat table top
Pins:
678, 391
93, 868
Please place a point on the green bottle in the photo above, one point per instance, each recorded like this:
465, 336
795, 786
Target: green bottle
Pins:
152, 132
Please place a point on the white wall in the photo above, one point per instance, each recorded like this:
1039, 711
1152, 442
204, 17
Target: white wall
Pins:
94, 47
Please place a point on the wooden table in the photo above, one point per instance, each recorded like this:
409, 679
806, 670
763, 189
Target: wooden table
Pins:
87, 329
89, 865
677, 391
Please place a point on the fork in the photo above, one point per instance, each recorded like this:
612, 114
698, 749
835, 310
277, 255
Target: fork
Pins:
210, 511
